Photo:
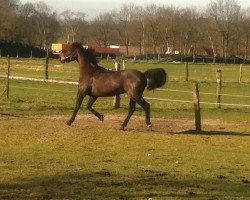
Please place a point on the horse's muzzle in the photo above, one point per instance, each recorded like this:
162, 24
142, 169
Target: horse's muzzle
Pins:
65, 60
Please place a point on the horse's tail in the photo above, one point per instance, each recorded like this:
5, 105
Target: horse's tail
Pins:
157, 77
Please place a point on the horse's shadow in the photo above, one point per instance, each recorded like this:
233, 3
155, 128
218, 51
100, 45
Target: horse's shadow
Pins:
194, 132
213, 133
12, 115
165, 127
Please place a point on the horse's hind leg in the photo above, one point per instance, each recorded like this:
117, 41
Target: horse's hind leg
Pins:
89, 106
146, 106
79, 99
130, 113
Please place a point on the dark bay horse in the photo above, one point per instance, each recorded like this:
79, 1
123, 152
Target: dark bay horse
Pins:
96, 81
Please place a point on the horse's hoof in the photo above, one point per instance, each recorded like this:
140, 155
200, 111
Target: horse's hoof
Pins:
101, 118
150, 127
122, 128
69, 123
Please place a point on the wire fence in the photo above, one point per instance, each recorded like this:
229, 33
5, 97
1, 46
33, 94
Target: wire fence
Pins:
149, 98
196, 94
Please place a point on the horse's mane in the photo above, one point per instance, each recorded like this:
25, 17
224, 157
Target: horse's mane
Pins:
89, 54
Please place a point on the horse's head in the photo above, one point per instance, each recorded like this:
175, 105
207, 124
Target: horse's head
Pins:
76, 52
70, 55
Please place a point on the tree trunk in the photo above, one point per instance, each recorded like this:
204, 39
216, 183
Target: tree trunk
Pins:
127, 46
212, 45
246, 48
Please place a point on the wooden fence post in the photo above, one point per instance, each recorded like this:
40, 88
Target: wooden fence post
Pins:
31, 54
159, 57
8, 78
240, 77
219, 84
214, 59
7, 88
123, 65
187, 72
196, 98
117, 98
47, 67
17, 53
194, 58
135, 58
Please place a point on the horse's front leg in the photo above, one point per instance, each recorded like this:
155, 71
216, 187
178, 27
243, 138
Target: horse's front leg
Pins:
130, 113
79, 99
89, 106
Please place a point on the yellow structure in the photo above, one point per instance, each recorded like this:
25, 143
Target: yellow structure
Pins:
59, 48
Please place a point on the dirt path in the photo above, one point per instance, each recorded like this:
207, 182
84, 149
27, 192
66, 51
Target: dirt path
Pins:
163, 125
137, 123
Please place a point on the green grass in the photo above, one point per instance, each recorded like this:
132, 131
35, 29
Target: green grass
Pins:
49, 160
176, 72
33, 98
42, 158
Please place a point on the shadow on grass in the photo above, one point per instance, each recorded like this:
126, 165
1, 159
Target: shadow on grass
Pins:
211, 133
12, 115
106, 185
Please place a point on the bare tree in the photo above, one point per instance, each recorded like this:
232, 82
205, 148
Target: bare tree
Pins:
103, 28
246, 31
190, 30
164, 18
72, 23
152, 26
125, 29
138, 25
223, 30
174, 26
27, 20
226, 15
47, 24
8, 19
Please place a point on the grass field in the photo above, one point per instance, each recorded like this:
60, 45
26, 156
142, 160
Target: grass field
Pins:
42, 158
177, 72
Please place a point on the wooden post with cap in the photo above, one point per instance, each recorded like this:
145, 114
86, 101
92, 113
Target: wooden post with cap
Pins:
187, 72
240, 76
117, 98
219, 84
47, 66
7, 88
197, 110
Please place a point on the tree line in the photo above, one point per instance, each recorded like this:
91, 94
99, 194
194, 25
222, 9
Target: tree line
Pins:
222, 28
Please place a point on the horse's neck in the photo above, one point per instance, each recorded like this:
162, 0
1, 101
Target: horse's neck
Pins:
84, 67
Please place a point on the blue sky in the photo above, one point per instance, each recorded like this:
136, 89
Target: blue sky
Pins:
94, 7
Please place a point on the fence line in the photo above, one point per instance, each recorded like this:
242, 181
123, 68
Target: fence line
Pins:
170, 100
76, 83
149, 98
186, 91
208, 103
40, 80
171, 90
33, 88
34, 76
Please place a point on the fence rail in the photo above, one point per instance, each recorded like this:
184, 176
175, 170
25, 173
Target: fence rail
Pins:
149, 98
207, 93
40, 80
